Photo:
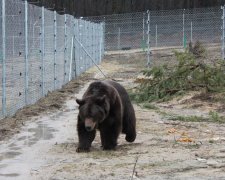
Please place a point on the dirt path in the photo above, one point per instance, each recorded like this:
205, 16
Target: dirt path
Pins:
45, 146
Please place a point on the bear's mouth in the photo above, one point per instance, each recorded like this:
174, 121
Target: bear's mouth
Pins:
89, 124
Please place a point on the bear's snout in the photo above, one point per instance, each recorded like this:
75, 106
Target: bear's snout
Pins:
89, 124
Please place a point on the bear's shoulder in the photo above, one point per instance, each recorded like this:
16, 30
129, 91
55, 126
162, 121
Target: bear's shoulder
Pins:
100, 88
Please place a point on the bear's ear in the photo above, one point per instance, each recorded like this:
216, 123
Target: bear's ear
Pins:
80, 101
101, 100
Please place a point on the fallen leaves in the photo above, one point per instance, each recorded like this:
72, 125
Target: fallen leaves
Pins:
172, 130
183, 136
185, 139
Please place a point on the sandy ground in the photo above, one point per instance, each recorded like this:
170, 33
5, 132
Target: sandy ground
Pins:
43, 146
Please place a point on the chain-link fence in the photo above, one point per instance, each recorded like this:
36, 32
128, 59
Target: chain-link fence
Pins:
42, 50
169, 28
179, 27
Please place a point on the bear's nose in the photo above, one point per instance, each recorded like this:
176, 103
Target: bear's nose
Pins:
88, 128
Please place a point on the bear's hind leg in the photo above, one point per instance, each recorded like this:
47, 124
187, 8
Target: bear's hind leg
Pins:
129, 123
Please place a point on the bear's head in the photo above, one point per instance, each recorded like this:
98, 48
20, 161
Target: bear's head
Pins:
93, 110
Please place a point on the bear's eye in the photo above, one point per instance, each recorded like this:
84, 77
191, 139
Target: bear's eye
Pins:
99, 115
81, 115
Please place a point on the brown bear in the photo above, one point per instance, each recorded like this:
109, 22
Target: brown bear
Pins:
105, 106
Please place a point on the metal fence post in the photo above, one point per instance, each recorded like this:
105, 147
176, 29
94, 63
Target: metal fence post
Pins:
100, 39
92, 42
26, 53
71, 60
85, 44
143, 35
100, 43
103, 38
55, 48
118, 45
223, 33
80, 49
43, 48
191, 32
3, 61
148, 43
95, 43
74, 48
156, 35
13, 46
89, 44
65, 48
184, 39
104, 35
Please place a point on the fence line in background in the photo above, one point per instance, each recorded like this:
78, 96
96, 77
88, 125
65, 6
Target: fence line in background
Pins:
169, 28
39, 52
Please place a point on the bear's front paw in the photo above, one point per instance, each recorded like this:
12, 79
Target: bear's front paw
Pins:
81, 149
109, 148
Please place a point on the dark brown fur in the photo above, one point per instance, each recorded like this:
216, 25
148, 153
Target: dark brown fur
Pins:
108, 105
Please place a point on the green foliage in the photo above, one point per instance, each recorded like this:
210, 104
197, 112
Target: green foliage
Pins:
188, 118
215, 117
164, 82
211, 141
149, 106
212, 117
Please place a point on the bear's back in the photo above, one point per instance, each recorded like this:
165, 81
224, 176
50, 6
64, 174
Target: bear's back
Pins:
120, 89
97, 88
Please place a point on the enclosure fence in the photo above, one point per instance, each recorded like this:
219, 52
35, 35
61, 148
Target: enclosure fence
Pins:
41, 51
168, 28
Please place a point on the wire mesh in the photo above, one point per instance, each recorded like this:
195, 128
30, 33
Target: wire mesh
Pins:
15, 52
77, 47
169, 28
206, 25
48, 51
68, 47
177, 28
122, 31
53, 57
60, 51
61, 47
81, 51
34, 49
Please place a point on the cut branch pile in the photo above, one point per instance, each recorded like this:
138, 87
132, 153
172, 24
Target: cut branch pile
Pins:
164, 82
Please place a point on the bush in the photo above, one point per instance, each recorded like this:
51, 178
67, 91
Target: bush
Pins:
197, 50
